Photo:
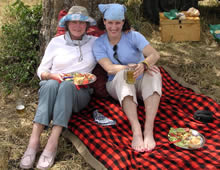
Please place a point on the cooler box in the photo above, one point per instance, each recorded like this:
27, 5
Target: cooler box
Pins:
179, 30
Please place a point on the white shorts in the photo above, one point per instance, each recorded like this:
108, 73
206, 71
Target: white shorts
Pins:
144, 87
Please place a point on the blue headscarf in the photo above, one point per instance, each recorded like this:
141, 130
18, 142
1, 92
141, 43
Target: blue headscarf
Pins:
113, 11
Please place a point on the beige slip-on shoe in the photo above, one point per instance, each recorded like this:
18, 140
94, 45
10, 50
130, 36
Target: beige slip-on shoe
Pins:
46, 160
28, 158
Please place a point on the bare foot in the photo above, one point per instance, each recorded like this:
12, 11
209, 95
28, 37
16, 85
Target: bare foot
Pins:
149, 142
137, 143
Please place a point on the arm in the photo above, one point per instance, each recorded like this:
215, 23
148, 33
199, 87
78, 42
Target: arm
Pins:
100, 53
150, 54
109, 67
151, 57
44, 69
48, 76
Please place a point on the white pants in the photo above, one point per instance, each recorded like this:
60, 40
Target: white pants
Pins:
144, 87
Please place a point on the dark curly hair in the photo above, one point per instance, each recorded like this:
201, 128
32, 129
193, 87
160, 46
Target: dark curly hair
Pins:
101, 26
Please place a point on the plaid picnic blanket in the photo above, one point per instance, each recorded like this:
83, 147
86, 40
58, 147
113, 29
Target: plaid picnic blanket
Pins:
111, 145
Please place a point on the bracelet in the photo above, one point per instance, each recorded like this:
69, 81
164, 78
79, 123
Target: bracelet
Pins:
146, 65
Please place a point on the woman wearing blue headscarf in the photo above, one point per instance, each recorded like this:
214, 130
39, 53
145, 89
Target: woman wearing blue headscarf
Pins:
114, 50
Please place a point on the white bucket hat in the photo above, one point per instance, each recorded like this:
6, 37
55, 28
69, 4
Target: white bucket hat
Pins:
77, 13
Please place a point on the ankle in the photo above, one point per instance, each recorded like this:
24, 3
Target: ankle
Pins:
148, 131
34, 145
148, 134
51, 146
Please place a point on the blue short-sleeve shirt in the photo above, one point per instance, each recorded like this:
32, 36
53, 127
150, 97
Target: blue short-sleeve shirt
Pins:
129, 48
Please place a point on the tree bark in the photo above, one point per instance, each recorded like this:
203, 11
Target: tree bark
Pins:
51, 9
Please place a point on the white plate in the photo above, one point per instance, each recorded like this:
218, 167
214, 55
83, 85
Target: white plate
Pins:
80, 78
186, 138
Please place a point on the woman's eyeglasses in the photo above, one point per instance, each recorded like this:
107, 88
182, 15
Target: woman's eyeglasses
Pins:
115, 55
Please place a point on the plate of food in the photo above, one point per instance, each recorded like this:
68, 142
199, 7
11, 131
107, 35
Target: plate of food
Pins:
186, 138
80, 78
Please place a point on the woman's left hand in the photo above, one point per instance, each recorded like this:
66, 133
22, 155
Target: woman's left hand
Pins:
153, 69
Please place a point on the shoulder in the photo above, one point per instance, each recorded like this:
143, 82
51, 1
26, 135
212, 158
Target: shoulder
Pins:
57, 39
135, 37
101, 44
101, 39
55, 42
133, 34
92, 37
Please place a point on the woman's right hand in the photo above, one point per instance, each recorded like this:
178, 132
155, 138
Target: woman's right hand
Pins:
54, 76
58, 77
139, 69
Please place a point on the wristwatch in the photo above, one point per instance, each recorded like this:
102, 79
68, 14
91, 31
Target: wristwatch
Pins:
146, 65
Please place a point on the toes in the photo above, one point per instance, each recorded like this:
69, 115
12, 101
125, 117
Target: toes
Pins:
149, 144
148, 148
138, 143
138, 148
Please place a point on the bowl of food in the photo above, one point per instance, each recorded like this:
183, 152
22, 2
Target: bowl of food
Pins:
186, 138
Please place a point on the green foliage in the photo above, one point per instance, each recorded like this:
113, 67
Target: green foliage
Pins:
19, 44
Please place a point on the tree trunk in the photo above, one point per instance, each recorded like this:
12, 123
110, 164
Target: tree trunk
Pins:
51, 9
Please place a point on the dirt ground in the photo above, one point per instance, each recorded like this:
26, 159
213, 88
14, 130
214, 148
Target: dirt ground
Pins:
197, 63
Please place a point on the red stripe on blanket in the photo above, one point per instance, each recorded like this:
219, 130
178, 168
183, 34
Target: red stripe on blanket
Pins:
111, 145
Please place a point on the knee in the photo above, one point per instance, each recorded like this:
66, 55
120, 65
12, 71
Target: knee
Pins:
119, 77
120, 74
51, 84
66, 85
156, 77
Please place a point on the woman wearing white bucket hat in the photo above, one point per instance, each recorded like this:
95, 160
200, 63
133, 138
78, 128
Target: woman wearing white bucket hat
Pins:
114, 50
58, 99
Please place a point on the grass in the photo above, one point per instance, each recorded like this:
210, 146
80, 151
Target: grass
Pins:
198, 63
5, 3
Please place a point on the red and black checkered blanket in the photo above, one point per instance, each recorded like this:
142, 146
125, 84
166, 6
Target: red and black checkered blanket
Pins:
111, 145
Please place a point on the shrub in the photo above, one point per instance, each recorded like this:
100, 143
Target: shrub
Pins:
19, 44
